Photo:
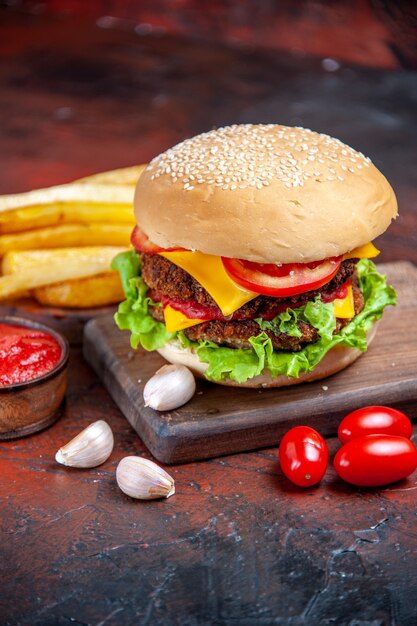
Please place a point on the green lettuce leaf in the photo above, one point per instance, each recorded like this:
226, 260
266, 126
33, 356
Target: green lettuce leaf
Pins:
316, 313
128, 265
243, 364
133, 313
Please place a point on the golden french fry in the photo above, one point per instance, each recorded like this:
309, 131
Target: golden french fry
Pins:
121, 176
69, 194
75, 202
84, 203
67, 235
30, 269
20, 220
106, 196
82, 293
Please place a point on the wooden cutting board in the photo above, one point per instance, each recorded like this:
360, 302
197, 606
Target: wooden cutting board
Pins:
221, 420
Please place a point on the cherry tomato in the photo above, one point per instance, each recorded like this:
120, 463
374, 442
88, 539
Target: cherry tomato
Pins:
281, 280
374, 420
376, 460
303, 456
142, 243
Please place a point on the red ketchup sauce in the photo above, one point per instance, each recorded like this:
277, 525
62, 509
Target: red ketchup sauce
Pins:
26, 354
339, 293
194, 310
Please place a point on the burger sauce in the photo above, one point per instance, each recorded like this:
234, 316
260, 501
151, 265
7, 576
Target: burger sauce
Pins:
194, 310
26, 354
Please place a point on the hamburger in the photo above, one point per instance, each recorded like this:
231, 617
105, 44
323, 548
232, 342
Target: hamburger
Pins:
251, 255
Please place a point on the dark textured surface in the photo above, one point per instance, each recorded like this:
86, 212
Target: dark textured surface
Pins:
364, 32
237, 544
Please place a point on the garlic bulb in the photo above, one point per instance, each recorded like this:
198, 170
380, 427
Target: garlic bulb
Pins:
91, 447
169, 388
143, 479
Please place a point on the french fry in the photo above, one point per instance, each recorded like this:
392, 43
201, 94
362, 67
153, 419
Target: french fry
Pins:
69, 194
75, 202
36, 268
82, 293
121, 176
21, 220
67, 235
90, 220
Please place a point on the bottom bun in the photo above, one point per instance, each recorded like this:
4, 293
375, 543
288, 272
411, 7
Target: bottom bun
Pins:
335, 360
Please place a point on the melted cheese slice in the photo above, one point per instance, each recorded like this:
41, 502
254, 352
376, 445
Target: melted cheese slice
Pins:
176, 320
368, 251
208, 270
345, 307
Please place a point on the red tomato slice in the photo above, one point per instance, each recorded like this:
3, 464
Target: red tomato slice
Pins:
374, 420
376, 460
281, 280
142, 243
303, 456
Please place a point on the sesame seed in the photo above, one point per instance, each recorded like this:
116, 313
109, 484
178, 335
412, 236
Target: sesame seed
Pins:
248, 155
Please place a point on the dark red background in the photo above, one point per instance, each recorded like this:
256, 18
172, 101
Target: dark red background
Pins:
237, 544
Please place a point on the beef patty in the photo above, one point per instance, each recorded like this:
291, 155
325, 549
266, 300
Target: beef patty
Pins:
236, 334
164, 277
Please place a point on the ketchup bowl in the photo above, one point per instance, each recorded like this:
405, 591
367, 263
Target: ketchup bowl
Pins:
33, 376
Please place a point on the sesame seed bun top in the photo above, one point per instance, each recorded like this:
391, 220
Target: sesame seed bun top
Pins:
265, 193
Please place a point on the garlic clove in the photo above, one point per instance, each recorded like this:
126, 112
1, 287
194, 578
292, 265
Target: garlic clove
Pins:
91, 447
143, 479
169, 388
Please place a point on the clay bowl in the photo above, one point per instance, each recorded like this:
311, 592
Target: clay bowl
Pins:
28, 407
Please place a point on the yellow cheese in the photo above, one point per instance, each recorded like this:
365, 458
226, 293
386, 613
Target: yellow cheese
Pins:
208, 270
368, 251
345, 307
176, 320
